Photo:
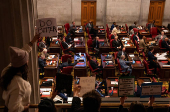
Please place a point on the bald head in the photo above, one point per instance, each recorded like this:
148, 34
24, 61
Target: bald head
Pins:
97, 38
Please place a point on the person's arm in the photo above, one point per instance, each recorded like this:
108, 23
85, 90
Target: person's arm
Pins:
156, 38
122, 101
150, 104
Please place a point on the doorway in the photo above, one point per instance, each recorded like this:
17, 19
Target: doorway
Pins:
88, 12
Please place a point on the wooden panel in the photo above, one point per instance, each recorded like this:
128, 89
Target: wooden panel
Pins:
88, 12
156, 12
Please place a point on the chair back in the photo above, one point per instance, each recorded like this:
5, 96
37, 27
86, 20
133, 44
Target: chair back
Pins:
126, 27
119, 66
115, 55
144, 57
137, 46
132, 38
111, 43
87, 30
89, 42
90, 66
147, 25
153, 31
67, 27
110, 36
146, 65
65, 57
135, 30
67, 70
90, 36
88, 57
107, 31
160, 43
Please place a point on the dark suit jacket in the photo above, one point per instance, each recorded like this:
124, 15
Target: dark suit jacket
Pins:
68, 39
112, 27
116, 44
135, 38
48, 41
150, 56
93, 64
165, 44
41, 64
120, 54
153, 64
65, 64
65, 46
76, 105
42, 45
94, 44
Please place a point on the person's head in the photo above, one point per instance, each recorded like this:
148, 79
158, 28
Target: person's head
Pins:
114, 23
143, 37
46, 105
44, 51
166, 39
93, 58
135, 23
97, 38
69, 34
151, 49
42, 40
91, 101
63, 39
137, 107
136, 33
140, 82
124, 49
114, 33
122, 57
69, 61
73, 23
162, 32
116, 37
90, 21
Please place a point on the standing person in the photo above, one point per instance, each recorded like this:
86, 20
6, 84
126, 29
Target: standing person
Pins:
41, 63
113, 25
73, 24
16, 88
48, 41
91, 29
151, 25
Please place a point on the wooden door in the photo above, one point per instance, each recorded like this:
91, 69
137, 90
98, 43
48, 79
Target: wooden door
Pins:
156, 11
88, 12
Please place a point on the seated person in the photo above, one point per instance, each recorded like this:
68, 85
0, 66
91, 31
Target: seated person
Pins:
165, 44
42, 45
95, 65
138, 90
96, 44
91, 29
68, 63
120, 53
44, 52
41, 63
143, 45
154, 64
159, 37
124, 65
67, 46
114, 34
72, 30
150, 54
117, 44
115, 29
136, 37
151, 25
68, 38
113, 25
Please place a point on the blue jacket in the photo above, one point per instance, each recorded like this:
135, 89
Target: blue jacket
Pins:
112, 27
123, 65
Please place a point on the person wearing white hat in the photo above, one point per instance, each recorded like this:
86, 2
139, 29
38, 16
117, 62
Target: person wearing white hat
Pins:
13, 80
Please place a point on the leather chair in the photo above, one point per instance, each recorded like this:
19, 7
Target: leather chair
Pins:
153, 32
93, 70
160, 46
132, 37
89, 45
147, 70
110, 36
139, 50
67, 27
115, 56
88, 57
112, 48
66, 51
65, 57
135, 30
127, 29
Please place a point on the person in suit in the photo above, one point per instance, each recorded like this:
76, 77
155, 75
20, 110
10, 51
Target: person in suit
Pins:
91, 101
120, 53
68, 63
150, 54
165, 44
117, 43
95, 45
142, 44
91, 29
159, 37
95, 65
134, 25
73, 24
67, 46
41, 63
114, 34
154, 64
124, 65
68, 38
42, 44
113, 25
151, 25
48, 41
136, 37
72, 30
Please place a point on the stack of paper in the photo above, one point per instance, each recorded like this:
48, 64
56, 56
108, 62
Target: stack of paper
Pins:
127, 45
165, 31
132, 55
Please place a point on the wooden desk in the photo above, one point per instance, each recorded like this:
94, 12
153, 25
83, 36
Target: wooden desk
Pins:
129, 49
115, 86
79, 45
104, 46
156, 47
51, 69
80, 70
122, 34
108, 68
55, 48
162, 28
164, 71
137, 68
145, 33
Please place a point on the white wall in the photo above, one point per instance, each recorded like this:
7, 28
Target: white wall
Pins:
166, 18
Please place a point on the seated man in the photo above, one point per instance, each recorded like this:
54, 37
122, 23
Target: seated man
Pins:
124, 65
120, 53
154, 64
165, 44
91, 29
96, 45
72, 30
117, 43
68, 63
159, 37
44, 52
41, 63
68, 39
114, 35
95, 65
42, 44
150, 54
143, 45
136, 37
67, 46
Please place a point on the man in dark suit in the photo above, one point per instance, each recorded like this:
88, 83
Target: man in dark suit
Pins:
72, 30
96, 44
150, 54
68, 63
95, 65
117, 44
151, 25
42, 45
165, 44
91, 101
41, 63
68, 39
120, 53
154, 64
67, 46
136, 37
